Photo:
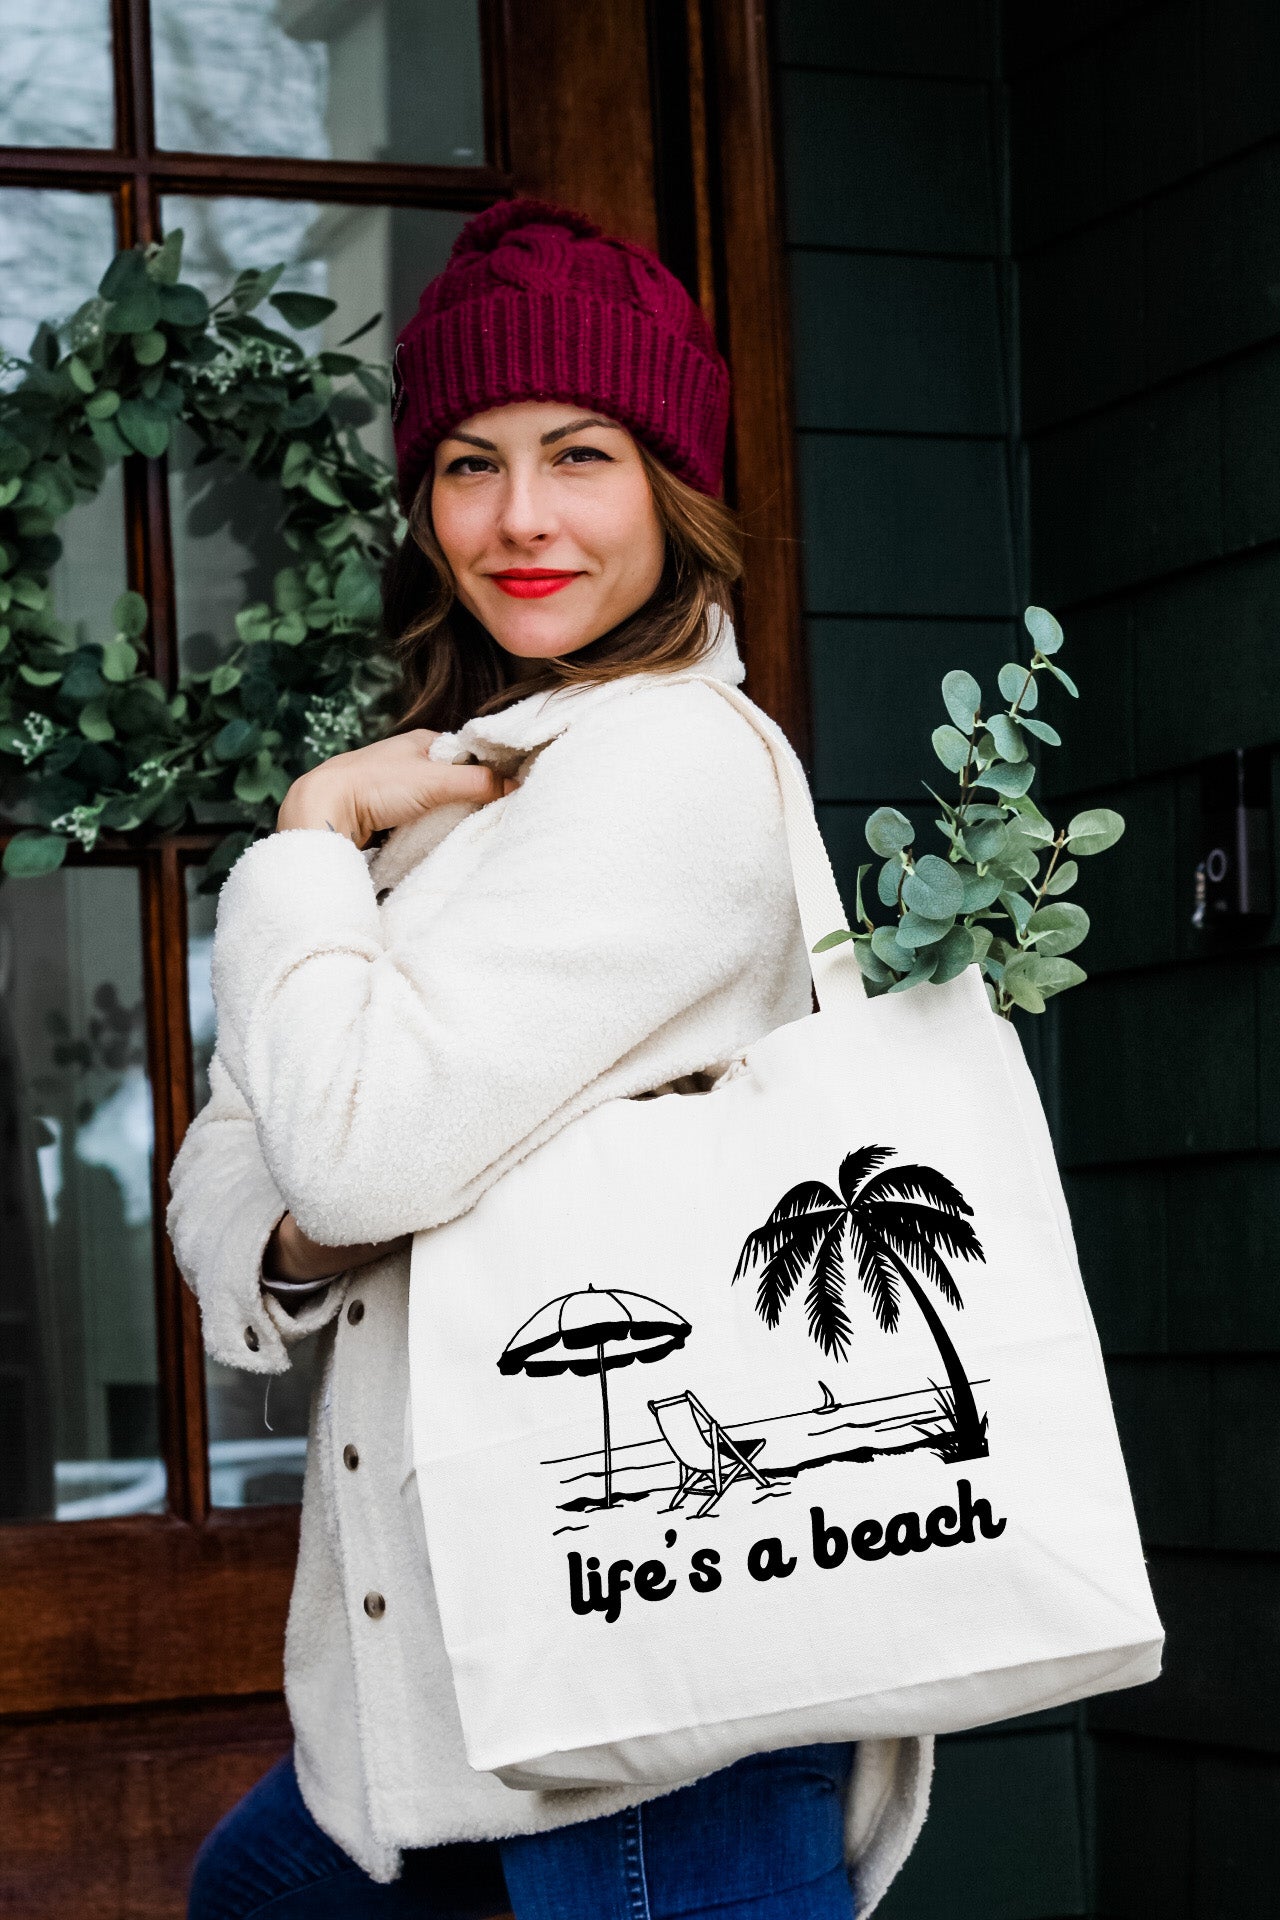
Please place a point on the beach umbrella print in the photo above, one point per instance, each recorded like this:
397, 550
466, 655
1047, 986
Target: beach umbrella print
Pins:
593, 1331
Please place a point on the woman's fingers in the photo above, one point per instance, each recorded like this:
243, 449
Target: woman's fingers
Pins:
466, 783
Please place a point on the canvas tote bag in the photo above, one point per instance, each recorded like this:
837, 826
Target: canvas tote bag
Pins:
775, 1414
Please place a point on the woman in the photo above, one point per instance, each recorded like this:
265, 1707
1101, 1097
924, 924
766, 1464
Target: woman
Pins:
584, 895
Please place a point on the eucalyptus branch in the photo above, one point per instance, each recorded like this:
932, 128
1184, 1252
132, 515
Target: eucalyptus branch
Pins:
986, 901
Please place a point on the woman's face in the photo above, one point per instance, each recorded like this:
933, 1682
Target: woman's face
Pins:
544, 513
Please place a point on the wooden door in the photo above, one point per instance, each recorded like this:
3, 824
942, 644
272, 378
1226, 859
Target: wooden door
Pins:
141, 1630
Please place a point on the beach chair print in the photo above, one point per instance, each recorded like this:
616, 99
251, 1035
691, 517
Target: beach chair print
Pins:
708, 1459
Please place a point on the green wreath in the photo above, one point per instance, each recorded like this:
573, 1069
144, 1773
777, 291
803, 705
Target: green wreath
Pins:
94, 739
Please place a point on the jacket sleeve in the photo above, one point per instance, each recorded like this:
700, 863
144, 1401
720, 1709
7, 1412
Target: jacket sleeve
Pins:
223, 1205
389, 1063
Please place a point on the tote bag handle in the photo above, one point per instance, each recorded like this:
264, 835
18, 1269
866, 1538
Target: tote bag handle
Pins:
837, 978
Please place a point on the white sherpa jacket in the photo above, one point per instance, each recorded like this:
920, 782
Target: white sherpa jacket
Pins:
395, 1028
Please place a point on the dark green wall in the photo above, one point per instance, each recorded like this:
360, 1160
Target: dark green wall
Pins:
1035, 270
894, 170
1146, 229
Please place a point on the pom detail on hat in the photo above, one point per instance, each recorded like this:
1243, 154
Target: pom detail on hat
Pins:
538, 303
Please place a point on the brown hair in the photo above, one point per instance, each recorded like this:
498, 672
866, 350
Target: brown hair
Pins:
453, 667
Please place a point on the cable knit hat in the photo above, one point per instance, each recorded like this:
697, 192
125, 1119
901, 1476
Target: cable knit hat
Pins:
537, 303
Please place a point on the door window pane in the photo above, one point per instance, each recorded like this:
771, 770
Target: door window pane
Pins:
392, 80
225, 524
79, 1394
257, 1431
55, 247
55, 73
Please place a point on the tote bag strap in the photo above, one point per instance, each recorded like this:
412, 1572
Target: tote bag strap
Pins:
837, 978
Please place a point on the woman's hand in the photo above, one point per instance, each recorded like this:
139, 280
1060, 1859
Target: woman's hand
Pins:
386, 784
290, 1255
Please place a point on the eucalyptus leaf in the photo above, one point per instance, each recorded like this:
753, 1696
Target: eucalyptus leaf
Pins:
95, 722
254, 623
980, 892
303, 310
934, 889
145, 426
872, 968
1094, 831
1042, 730
981, 938
1020, 986
1043, 628
183, 306
149, 348
298, 462
1018, 909
888, 880
129, 615
1013, 679
127, 274
955, 953
321, 488
32, 852
951, 747
164, 262
1058, 928
103, 404
135, 312
886, 949
860, 911
1010, 744
1063, 878
253, 781
915, 931
987, 841
829, 940
888, 831
236, 739
924, 969
118, 660
225, 678
1065, 678
1011, 781
109, 439
1031, 823
962, 697
356, 591
1056, 976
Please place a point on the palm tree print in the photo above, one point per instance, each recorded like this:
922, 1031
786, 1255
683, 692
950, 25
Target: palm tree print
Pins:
897, 1222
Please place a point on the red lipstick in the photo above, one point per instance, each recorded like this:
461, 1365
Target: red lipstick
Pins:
532, 583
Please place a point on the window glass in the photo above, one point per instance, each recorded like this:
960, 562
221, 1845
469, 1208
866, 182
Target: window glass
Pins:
371, 260
55, 247
395, 80
79, 1396
257, 1430
55, 73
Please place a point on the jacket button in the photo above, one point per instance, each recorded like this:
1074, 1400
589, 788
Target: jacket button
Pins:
350, 1458
355, 1312
374, 1605
251, 1339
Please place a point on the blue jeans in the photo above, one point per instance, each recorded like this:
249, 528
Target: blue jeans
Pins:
760, 1840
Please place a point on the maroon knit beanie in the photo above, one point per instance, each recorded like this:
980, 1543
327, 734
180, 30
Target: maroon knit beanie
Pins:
537, 303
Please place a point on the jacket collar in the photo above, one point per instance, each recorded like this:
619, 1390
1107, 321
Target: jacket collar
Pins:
505, 739
530, 723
